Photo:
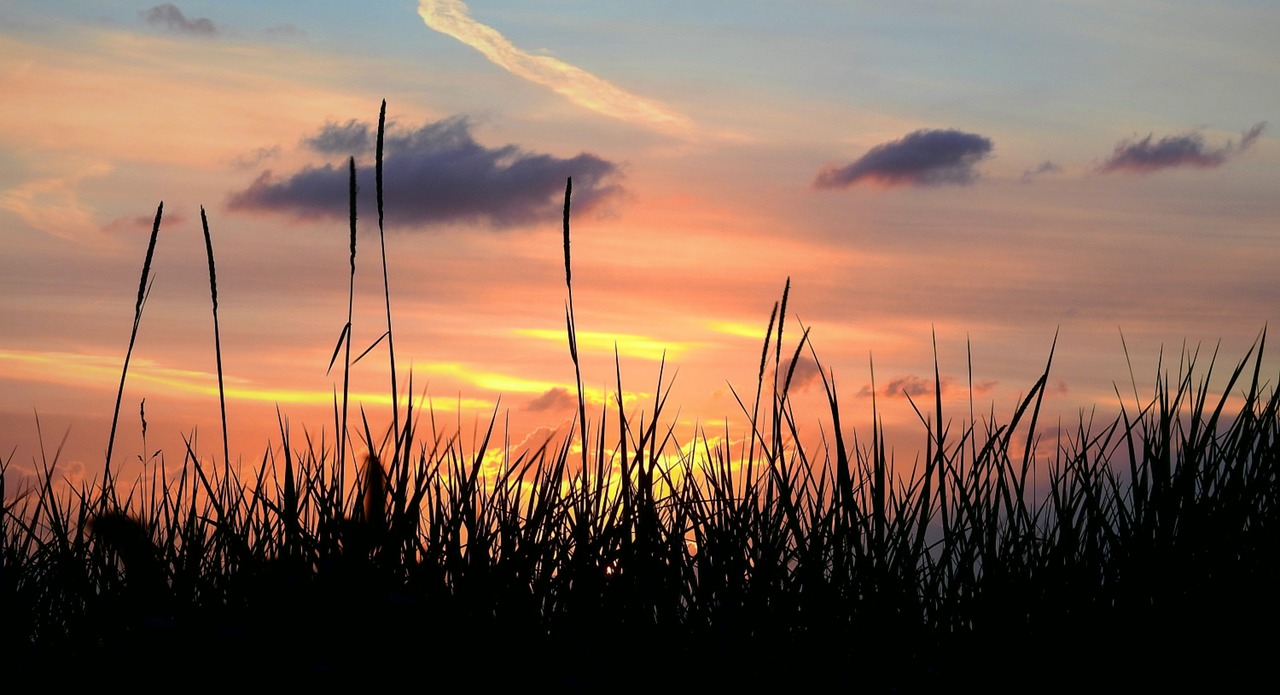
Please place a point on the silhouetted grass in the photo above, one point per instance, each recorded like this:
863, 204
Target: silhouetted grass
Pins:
144, 289
1147, 557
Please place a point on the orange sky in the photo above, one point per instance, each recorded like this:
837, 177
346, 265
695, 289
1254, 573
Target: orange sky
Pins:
994, 177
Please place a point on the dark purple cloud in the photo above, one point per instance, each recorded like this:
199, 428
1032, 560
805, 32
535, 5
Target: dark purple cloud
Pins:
1146, 155
436, 173
170, 18
921, 158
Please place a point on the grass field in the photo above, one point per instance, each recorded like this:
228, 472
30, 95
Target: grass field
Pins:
1146, 557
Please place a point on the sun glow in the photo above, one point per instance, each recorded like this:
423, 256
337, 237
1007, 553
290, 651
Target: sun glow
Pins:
734, 328
507, 383
104, 372
626, 344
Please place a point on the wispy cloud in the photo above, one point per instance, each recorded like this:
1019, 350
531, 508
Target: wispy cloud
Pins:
138, 225
921, 158
436, 173
347, 138
255, 157
1045, 167
910, 385
915, 386
170, 18
556, 399
1147, 155
1249, 136
452, 17
56, 205
285, 31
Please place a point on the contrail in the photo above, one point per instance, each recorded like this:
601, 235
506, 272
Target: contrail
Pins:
579, 86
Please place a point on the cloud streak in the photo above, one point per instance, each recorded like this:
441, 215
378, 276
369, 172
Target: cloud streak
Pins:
1147, 155
1045, 167
451, 17
921, 158
556, 399
255, 157
170, 18
436, 173
915, 386
56, 205
911, 386
341, 138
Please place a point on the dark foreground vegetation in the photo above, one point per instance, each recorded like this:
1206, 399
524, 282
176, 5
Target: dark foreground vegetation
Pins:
1146, 555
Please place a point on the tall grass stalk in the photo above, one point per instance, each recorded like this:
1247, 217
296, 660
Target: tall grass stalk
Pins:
144, 288
571, 326
217, 338
386, 283
344, 339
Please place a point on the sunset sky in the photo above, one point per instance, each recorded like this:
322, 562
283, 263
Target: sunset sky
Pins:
992, 173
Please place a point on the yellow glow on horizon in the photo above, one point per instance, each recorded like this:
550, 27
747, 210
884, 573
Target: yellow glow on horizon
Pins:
451, 17
104, 372
506, 383
75, 369
493, 381
734, 328
628, 344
